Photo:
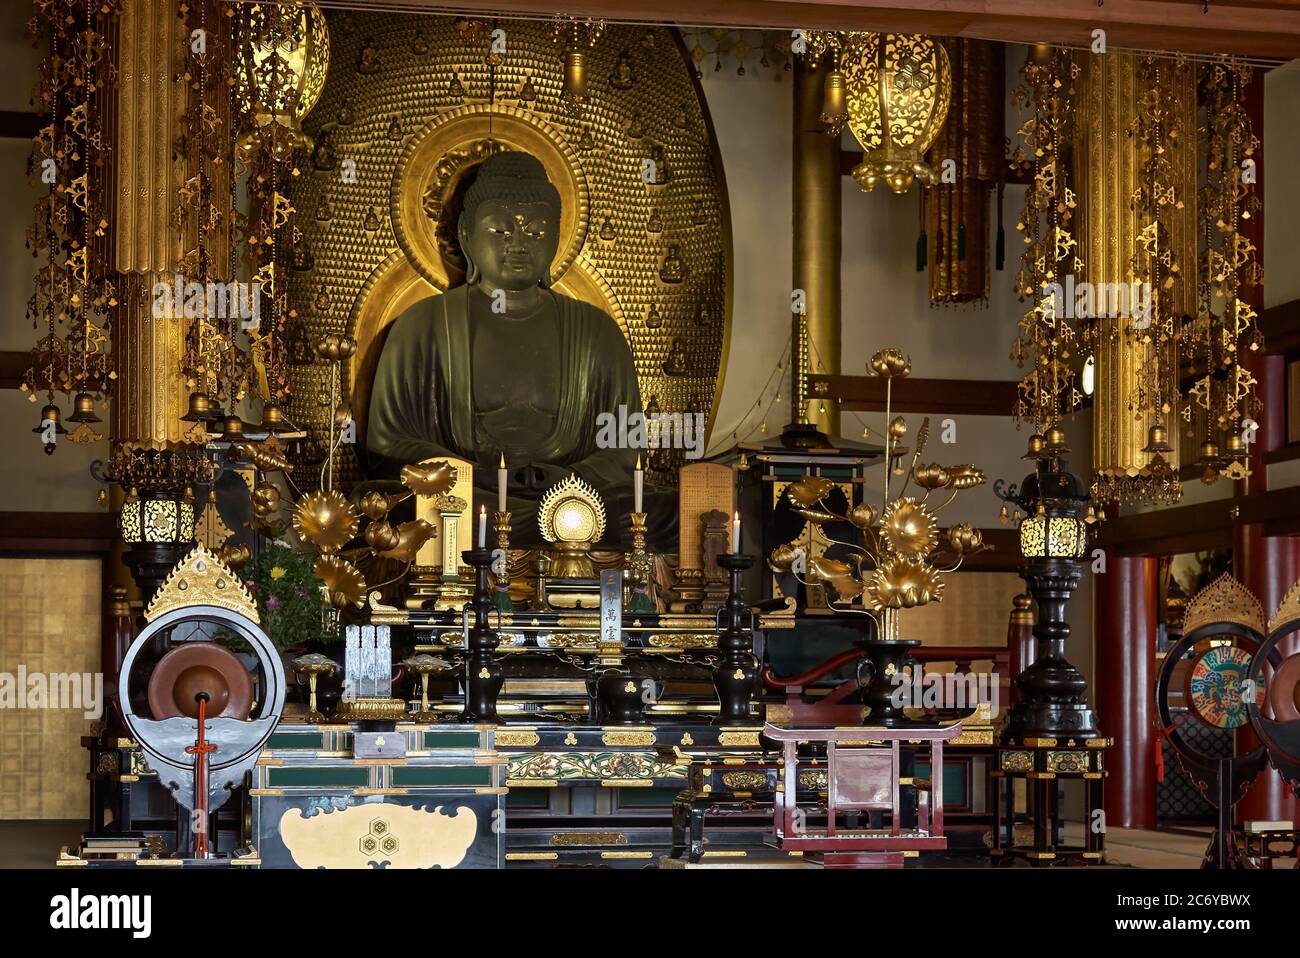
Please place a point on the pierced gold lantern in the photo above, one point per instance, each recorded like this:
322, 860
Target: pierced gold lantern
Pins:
898, 87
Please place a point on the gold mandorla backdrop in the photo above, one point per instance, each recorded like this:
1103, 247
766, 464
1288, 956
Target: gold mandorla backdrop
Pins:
410, 108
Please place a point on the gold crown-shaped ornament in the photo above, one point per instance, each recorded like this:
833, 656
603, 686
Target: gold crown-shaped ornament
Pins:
1224, 600
202, 579
1289, 610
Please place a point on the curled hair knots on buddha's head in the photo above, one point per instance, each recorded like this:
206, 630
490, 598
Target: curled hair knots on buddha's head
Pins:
510, 177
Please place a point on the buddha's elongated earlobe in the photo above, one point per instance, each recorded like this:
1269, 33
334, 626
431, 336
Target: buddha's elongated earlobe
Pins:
471, 269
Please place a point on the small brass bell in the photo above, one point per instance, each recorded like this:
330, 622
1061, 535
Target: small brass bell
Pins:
201, 409
50, 416
1054, 441
1157, 440
232, 430
1235, 447
1036, 448
83, 409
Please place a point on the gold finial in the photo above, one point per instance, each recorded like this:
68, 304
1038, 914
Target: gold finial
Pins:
1289, 610
1224, 600
202, 579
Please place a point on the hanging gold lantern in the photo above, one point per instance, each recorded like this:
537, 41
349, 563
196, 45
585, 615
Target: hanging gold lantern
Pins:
898, 89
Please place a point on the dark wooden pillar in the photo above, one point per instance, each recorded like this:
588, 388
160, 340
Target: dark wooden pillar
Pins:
1124, 670
1267, 565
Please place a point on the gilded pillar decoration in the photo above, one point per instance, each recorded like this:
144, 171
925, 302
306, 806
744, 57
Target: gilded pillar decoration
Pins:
1046, 337
1222, 400
817, 227
1135, 167
957, 211
74, 291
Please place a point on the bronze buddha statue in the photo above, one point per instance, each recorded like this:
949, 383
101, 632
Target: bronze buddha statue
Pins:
505, 365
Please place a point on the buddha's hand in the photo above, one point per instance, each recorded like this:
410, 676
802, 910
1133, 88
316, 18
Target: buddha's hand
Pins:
540, 476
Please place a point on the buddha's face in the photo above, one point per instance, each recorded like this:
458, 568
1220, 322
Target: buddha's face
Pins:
511, 244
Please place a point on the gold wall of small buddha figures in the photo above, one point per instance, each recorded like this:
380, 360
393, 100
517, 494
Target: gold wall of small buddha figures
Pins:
413, 103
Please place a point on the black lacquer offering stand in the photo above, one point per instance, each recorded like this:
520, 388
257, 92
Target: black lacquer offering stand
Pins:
736, 671
483, 676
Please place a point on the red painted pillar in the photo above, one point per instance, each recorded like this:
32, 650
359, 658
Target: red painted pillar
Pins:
1124, 676
1267, 565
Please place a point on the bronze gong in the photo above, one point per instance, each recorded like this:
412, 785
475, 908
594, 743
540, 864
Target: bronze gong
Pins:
195, 667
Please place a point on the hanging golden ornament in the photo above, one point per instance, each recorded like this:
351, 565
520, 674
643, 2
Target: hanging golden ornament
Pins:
325, 519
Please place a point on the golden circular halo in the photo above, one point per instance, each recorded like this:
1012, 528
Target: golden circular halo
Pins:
571, 511
450, 146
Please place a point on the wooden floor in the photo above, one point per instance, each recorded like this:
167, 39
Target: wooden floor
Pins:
36, 844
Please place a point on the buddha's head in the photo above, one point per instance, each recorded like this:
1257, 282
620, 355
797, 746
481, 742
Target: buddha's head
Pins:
510, 224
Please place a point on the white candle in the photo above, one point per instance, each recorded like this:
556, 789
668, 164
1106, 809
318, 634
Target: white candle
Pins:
638, 483
735, 534
501, 485
482, 527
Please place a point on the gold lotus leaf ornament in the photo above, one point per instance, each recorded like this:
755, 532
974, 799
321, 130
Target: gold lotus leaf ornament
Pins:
931, 476
863, 516
817, 517
809, 490
965, 538
966, 476
909, 528
410, 537
783, 557
903, 582
890, 363
326, 520
839, 575
429, 478
344, 584
265, 459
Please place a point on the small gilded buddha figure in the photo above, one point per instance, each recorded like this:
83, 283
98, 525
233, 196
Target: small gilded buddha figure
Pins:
505, 365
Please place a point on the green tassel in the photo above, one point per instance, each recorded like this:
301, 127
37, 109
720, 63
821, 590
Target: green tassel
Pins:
921, 252
640, 601
501, 599
1001, 255
961, 242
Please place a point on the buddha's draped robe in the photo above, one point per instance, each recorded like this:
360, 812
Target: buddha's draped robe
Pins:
422, 402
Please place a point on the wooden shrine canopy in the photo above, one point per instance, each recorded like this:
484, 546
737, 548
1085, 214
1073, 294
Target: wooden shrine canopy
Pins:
1254, 28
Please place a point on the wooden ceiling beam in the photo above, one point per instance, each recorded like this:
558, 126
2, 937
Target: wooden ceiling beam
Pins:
1256, 28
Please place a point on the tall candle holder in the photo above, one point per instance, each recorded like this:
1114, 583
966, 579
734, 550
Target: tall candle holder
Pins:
638, 569
483, 676
501, 526
736, 671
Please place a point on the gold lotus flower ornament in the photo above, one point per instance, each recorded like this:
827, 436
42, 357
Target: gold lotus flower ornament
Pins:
932, 476
903, 582
266, 498
890, 363
381, 536
908, 528
326, 520
344, 584
965, 538
863, 516
429, 478
375, 505
783, 557
809, 490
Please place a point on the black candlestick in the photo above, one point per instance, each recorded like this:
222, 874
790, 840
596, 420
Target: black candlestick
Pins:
483, 676
736, 671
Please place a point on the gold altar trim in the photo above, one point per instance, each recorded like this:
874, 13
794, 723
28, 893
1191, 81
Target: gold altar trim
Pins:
202, 579
1225, 600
